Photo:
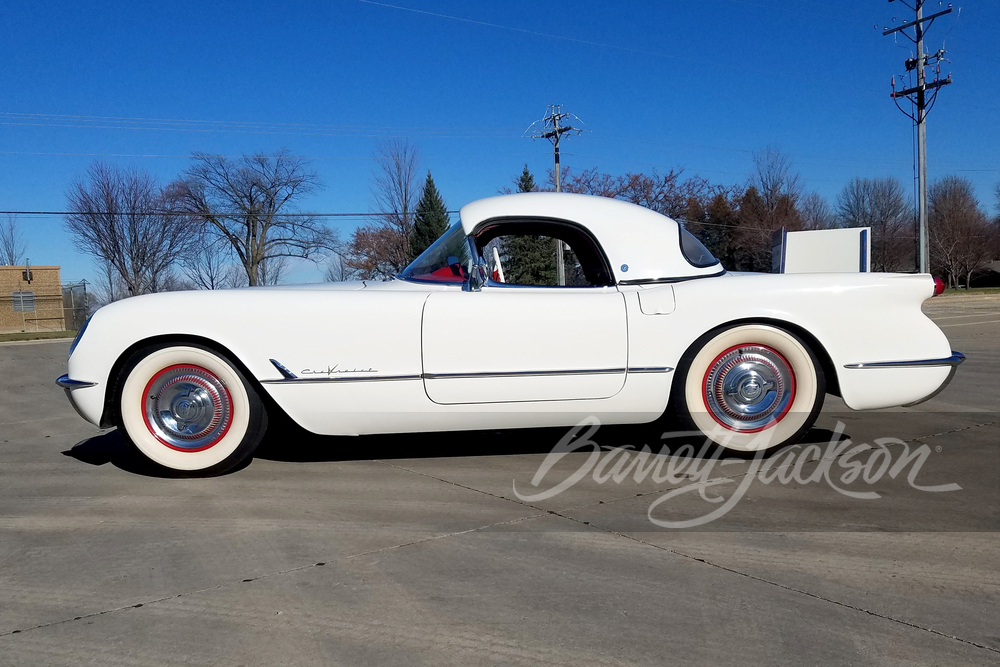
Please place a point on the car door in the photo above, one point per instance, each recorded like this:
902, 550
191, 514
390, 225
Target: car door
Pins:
511, 344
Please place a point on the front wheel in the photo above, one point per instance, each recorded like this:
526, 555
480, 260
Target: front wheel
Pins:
188, 409
750, 387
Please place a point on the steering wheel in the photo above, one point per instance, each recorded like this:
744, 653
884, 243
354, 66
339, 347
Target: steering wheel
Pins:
497, 267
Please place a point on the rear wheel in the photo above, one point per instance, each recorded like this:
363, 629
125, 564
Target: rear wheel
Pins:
188, 409
750, 387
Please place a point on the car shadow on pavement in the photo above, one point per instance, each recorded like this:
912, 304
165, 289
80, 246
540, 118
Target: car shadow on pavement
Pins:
292, 444
110, 447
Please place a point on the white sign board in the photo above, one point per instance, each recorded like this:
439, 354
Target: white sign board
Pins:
822, 251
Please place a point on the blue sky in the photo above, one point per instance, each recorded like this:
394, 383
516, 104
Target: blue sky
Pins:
659, 85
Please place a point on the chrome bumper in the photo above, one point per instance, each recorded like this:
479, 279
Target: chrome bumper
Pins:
65, 382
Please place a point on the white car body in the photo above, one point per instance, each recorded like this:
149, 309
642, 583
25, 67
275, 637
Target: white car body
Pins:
404, 356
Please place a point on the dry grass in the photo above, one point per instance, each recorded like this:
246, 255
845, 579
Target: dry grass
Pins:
35, 335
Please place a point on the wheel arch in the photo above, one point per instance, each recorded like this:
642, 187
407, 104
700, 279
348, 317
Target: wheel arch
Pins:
110, 411
817, 348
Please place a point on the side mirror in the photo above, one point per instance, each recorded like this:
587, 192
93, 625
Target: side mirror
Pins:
480, 274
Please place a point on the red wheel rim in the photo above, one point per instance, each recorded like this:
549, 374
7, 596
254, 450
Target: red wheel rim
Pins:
187, 408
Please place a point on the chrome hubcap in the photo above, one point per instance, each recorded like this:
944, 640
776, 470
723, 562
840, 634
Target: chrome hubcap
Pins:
187, 408
749, 387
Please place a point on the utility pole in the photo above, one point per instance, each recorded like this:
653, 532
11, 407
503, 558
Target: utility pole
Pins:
918, 97
553, 130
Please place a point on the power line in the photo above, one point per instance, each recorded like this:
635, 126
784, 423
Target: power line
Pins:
464, 156
214, 214
359, 134
769, 73
467, 156
255, 124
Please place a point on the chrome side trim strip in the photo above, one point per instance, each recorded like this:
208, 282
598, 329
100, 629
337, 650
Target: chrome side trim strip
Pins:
285, 373
323, 380
508, 374
65, 382
954, 360
453, 376
659, 281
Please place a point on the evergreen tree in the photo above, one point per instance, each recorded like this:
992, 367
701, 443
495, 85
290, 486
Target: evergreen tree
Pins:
529, 260
526, 183
752, 243
431, 219
720, 234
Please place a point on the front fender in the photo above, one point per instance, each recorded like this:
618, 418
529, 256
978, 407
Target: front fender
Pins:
301, 329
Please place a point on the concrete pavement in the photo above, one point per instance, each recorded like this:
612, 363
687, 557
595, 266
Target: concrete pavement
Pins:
416, 550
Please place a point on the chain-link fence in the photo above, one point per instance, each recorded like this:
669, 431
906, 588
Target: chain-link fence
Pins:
76, 304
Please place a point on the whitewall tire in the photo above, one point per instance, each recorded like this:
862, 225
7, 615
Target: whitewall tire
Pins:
750, 387
186, 408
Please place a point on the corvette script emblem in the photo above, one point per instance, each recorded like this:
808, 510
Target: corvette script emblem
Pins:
336, 370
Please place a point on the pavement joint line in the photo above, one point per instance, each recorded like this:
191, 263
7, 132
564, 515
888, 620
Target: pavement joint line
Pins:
954, 430
968, 324
521, 502
792, 589
979, 334
103, 612
957, 317
268, 575
441, 537
463, 486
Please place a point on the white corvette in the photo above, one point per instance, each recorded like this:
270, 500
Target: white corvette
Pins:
467, 337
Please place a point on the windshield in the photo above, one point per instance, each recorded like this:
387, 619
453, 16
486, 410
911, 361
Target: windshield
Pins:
447, 260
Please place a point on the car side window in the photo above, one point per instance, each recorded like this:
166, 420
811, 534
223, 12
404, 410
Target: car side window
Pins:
531, 259
525, 253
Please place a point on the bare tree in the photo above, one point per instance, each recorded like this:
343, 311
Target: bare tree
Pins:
668, 193
109, 286
770, 202
880, 203
779, 188
208, 267
250, 204
381, 248
12, 245
121, 218
273, 270
960, 235
337, 270
591, 182
816, 212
